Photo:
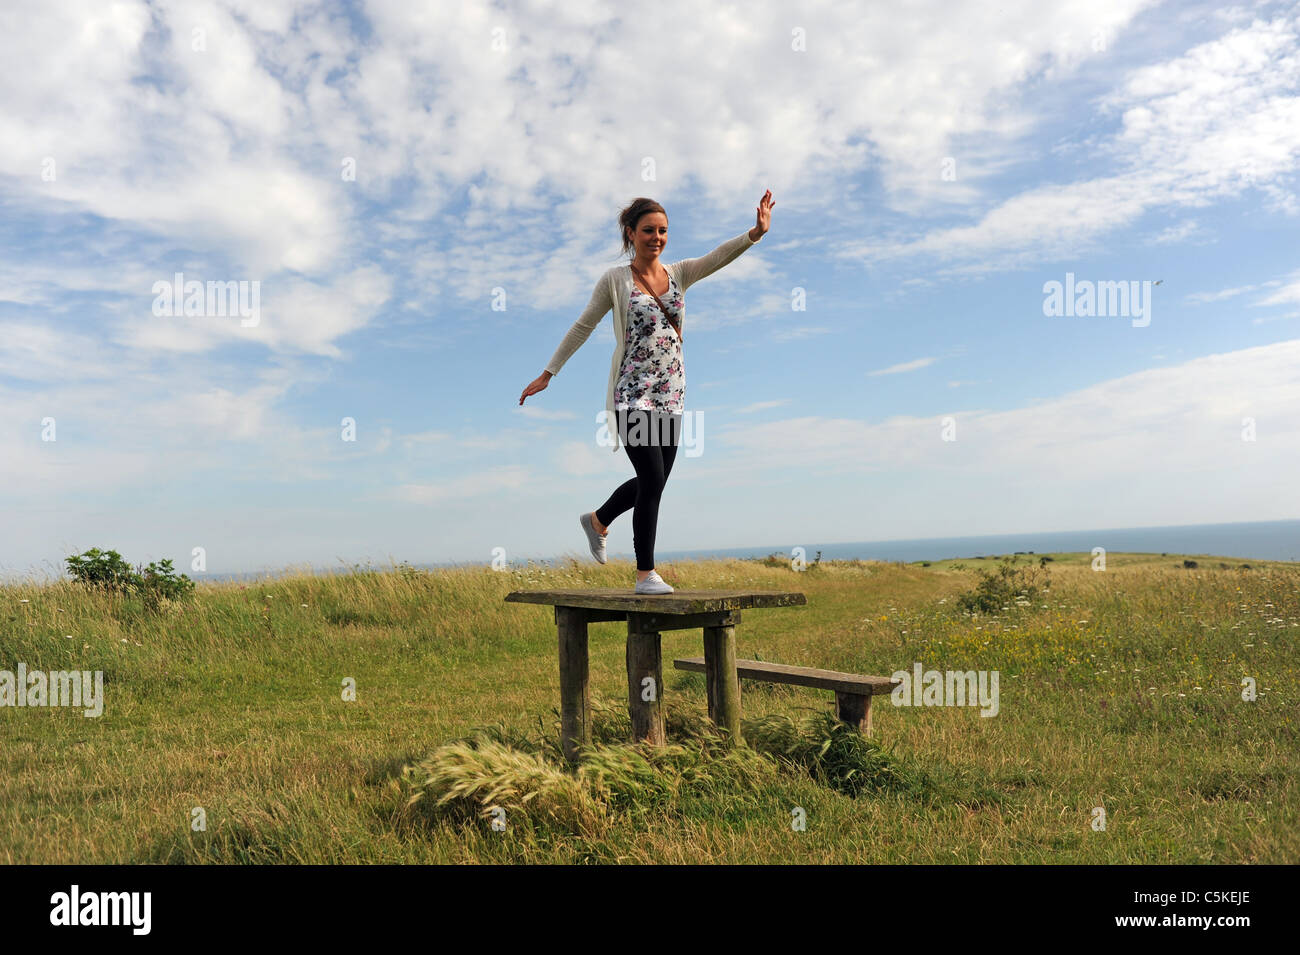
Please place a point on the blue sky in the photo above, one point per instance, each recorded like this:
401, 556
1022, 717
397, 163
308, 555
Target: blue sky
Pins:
932, 168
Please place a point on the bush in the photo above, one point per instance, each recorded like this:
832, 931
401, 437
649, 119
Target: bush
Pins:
777, 559
103, 569
1003, 588
159, 581
106, 570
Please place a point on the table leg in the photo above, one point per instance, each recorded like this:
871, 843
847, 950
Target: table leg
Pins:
575, 698
645, 686
721, 679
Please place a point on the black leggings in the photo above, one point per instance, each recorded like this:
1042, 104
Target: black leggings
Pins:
651, 439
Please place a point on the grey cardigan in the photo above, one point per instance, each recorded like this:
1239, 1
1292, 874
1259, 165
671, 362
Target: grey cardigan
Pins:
613, 291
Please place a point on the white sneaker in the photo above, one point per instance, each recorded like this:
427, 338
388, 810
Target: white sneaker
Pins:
653, 584
596, 541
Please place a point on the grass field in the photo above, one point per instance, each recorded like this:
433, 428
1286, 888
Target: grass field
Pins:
1119, 689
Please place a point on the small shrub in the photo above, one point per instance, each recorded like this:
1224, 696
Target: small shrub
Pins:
1004, 587
107, 571
159, 581
778, 560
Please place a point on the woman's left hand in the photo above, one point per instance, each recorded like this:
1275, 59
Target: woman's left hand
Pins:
764, 218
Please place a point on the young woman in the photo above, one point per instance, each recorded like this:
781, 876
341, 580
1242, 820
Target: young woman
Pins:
647, 379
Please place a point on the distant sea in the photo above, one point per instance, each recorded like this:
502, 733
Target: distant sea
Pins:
1257, 540
1260, 540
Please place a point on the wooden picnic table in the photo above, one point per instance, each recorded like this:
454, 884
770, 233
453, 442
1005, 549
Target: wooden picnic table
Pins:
717, 612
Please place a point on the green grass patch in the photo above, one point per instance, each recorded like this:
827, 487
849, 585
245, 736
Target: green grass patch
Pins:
1123, 689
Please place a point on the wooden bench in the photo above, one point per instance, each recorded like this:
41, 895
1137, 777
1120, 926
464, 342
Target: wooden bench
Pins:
853, 692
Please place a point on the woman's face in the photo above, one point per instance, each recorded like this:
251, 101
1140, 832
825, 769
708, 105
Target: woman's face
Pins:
651, 235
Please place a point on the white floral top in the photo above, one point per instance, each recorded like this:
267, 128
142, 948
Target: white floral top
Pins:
653, 374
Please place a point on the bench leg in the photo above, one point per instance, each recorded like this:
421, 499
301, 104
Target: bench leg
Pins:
855, 710
575, 698
721, 680
645, 682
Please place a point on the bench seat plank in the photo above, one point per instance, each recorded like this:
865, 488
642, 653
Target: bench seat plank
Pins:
853, 683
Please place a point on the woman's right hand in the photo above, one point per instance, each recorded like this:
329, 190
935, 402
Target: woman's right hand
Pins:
537, 384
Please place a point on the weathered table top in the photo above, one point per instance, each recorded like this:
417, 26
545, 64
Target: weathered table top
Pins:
680, 601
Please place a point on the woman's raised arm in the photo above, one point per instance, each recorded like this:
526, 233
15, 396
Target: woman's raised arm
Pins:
692, 270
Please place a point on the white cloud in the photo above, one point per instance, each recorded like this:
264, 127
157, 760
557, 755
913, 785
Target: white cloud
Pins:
544, 414
1288, 294
762, 406
41, 353
1199, 298
903, 367
150, 428
295, 315
1208, 124
1151, 426
1180, 232
1273, 318
789, 334
583, 459
490, 482
237, 148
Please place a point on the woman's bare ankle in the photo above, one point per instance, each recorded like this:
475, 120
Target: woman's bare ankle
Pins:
601, 529
643, 574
